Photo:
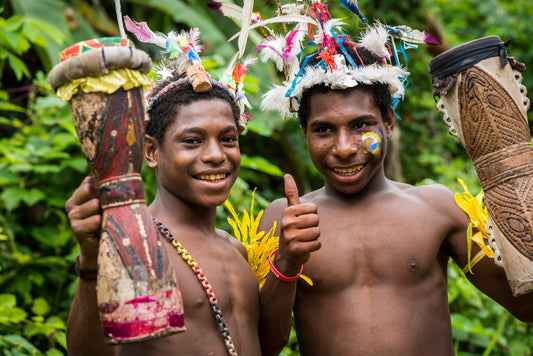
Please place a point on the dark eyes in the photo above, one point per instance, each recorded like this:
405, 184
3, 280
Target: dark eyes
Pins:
197, 141
357, 126
229, 139
322, 129
191, 141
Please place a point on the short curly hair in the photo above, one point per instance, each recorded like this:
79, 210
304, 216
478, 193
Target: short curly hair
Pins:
380, 91
164, 111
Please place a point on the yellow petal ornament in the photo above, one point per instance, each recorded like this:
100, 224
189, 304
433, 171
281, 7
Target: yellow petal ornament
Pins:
477, 212
258, 244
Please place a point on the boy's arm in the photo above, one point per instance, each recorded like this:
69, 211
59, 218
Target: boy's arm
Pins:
298, 233
85, 335
488, 277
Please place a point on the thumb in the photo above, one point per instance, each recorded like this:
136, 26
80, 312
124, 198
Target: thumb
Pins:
291, 190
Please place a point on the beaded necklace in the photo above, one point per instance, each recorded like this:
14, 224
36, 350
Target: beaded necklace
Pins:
205, 283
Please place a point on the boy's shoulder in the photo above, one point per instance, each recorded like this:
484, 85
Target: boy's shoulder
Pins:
227, 238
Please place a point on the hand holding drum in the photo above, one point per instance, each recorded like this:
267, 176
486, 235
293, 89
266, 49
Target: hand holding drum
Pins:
485, 106
137, 291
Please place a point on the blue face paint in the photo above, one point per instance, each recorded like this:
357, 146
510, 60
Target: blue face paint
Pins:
373, 142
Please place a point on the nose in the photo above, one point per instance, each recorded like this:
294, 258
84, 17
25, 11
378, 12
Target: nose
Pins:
346, 145
213, 152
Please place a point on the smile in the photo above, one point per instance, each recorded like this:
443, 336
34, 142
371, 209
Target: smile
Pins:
212, 178
348, 171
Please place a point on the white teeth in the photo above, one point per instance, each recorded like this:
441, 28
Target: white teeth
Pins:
211, 177
348, 171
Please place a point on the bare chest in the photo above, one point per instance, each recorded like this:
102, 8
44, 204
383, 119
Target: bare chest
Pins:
211, 274
365, 247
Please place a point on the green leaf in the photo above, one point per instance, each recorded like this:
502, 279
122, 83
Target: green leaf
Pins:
32, 196
18, 66
10, 40
9, 107
259, 163
13, 23
53, 32
30, 31
12, 316
21, 342
11, 198
61, 339
7, 301
54, 352
40, 306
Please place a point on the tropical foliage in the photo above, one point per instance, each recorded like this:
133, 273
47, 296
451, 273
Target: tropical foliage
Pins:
41, 162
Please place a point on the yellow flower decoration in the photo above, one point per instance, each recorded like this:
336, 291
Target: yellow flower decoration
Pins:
258, 244
477, 212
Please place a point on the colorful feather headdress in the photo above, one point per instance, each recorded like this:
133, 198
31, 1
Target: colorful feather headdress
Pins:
183, 50
315, 28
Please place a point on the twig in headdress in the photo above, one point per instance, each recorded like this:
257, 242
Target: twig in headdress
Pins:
119, 19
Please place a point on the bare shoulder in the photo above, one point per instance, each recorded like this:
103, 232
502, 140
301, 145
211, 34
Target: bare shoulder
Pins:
436, 195
234, 242
439, 199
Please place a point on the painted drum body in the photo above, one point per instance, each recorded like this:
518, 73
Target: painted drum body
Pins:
137, 290
485, 106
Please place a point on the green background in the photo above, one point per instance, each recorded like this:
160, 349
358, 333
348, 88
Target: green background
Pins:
41, 162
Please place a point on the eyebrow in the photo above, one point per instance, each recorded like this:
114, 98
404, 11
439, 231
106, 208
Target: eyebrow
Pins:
201, 131
353, 121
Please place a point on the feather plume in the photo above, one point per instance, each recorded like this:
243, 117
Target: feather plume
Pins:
278, 19
247, 10
163, 71
409, 35
227, 9
375, 39
275, 99
143, 32
352, 6
292, 9
271, 49
331, 24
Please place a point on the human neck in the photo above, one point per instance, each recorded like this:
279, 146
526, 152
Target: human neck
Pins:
183, 215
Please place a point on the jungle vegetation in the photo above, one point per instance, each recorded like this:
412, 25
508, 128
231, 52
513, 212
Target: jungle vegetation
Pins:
41, 162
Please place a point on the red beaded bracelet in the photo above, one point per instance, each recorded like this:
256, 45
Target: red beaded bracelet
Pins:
83, 273
277, 273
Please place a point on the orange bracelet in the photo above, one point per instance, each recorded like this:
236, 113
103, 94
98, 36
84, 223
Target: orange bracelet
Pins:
277, 273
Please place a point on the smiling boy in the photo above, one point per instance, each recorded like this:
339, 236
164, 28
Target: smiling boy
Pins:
376, 250
192, 143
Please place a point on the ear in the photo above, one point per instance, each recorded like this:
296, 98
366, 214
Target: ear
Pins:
151, 151
389, 125
304, 132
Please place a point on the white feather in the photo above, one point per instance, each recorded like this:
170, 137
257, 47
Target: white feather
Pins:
271, 52
247, 10
278, 19
275, 99
374, 40
231, 10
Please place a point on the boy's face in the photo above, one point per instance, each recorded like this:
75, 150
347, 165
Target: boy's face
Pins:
200, 158
346, 138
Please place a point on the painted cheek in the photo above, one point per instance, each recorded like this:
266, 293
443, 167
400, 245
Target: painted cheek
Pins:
373, 142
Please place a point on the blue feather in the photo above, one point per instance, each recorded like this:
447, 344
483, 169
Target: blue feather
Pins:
352, 6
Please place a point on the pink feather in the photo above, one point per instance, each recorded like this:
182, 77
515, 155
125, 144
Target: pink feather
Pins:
139, 29
431, 40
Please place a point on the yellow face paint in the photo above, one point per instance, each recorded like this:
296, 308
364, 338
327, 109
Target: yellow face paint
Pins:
373, 143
